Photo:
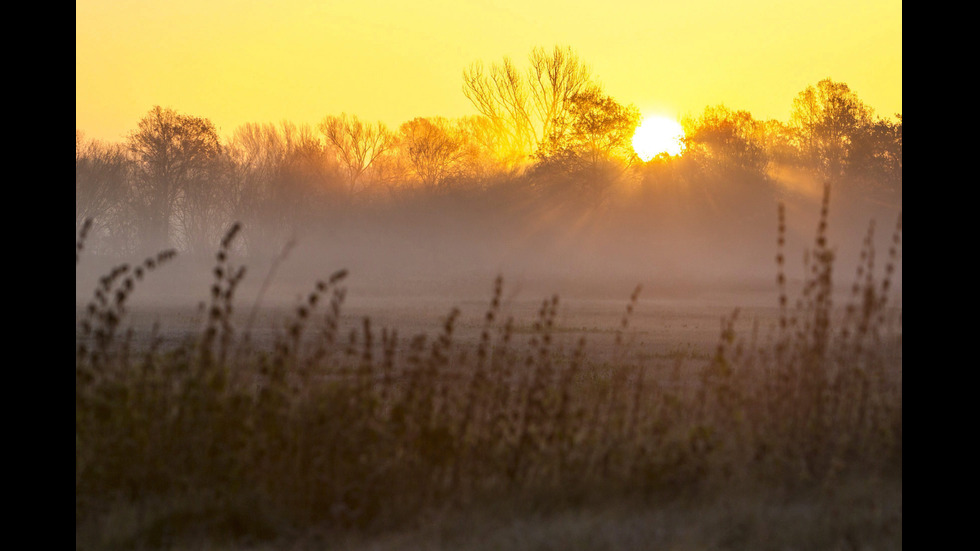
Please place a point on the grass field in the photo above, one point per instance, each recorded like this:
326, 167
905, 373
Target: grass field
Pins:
346, 422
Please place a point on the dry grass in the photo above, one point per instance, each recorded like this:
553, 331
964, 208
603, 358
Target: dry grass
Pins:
332, 438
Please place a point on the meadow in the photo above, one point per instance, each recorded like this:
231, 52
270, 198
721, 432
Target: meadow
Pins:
658, 420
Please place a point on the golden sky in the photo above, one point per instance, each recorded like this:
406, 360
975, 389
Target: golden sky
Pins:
239, 61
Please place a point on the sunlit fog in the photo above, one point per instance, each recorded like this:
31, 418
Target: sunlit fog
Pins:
581, 197
552, 314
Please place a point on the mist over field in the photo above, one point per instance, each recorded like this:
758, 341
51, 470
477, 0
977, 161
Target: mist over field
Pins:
452, 245
412, 263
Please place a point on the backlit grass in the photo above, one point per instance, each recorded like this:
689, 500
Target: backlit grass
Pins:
221, 440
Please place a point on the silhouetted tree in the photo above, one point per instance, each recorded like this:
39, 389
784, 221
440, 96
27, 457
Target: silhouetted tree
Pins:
102, 191
724, 140
204, 209
482, 148
357, 144
285, 177
433, 147
591, 142
721, 179
594, 129
827, 119
173, 153
875, 159
777, 140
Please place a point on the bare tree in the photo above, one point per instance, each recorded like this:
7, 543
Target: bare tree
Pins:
102, 188
500, 95
357, 144
556, 79
523, 107
281, 172
433, 147
483, 148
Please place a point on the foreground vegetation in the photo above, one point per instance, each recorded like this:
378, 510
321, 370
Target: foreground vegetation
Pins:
338, 437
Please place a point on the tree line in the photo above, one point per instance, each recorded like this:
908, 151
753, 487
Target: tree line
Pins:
547, 132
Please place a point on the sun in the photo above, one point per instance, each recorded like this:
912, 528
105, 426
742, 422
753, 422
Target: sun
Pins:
657, 135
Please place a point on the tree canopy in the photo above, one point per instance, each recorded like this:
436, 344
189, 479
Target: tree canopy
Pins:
548, 126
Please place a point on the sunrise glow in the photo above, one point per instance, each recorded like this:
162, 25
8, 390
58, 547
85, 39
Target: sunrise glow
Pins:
657, 135
300, 60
